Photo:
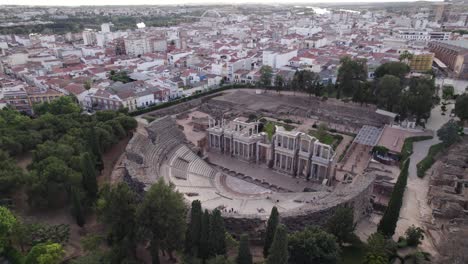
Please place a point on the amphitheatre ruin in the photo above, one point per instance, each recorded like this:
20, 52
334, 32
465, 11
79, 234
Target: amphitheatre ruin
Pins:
244, 151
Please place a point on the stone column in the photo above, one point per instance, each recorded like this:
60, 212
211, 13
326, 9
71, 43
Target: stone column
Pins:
232, 146
256, 152
281, 161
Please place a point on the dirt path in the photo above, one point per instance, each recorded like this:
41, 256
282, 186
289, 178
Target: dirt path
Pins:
415, 209
112, 158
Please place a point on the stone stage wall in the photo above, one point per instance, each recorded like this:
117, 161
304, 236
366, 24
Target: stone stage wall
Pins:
358, 197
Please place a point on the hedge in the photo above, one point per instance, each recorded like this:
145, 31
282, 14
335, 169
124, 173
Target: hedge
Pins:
427, 162
189, 98
388, 223
407, 148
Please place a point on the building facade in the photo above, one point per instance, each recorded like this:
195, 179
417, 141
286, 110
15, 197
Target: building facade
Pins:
291, 152
454, 54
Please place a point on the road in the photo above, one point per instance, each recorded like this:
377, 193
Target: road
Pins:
415, 210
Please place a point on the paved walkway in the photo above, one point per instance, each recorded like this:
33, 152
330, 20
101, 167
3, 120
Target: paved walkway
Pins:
415, 210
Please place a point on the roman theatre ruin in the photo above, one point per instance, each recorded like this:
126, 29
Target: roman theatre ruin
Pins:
243, 153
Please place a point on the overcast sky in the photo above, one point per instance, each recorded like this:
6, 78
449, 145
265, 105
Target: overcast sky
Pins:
172, 2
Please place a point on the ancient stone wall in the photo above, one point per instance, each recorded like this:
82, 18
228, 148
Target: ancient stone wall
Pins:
358, 197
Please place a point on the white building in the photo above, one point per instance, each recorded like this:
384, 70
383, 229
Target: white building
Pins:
141, 44
89, 37
106, 27
422, 35
277, 59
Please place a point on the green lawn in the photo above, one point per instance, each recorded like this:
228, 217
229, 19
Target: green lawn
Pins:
327, 138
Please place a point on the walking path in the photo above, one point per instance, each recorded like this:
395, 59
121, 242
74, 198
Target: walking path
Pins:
415, 210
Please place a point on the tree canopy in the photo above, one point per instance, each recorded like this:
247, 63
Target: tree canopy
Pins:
244, 256
397, 69
57, 137
313, 245
448, 133
461, 107
272, 224
278, 253
161, 215
46, 253
266, 75
352, 73
116, 207
341, 224
389, 92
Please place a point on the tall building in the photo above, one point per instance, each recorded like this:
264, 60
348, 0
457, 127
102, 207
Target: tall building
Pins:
454, 54
89, 37
140, 44
106, 27
422, 62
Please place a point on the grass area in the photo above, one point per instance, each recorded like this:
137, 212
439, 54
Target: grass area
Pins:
327, 138
270, 129
427, 162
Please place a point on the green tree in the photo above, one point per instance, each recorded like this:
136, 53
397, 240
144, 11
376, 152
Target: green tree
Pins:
244, 256
45, 253
351, 73
192, 237
419, 99
313, 245
397, 69
162, 217
77, 208
87, 84
204, 251
363, 93
389, 220
217, 233
448, 133
279, 83
11, 176
374, 259
448, 91
88, 173
49, 182
379, 249
461, 107
266, 74
61, 106
91, 242
95, 146
406, 56
341, 224
117, 209
414, 236
389, 92
279, 248
7, 223
272, 224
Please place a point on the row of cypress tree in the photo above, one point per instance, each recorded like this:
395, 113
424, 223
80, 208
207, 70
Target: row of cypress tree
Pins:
205, 236
388, 223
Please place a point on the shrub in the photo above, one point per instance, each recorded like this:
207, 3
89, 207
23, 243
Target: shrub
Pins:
414, 236
427, 162
407, 148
